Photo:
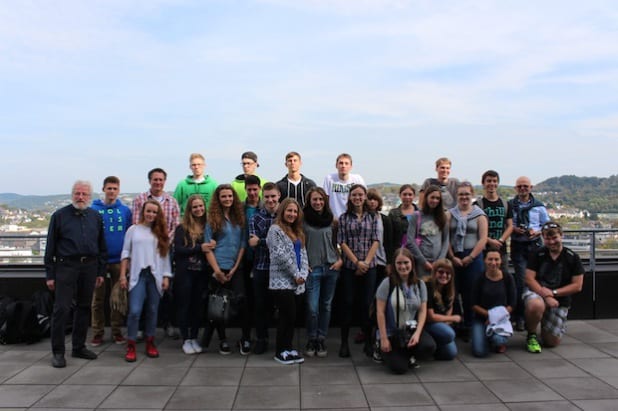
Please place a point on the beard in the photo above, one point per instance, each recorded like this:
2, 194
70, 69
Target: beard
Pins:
80, 206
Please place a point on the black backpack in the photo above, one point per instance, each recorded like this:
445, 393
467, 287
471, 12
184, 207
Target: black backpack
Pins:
19, 323
43, 301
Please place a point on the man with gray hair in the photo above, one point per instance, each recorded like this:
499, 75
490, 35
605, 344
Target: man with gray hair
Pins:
75, 258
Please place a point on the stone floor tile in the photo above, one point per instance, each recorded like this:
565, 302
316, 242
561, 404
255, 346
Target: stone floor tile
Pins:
218, 360
378, 374
213, 376
138, 397
103, 375
75, 396
608, 348
26, 357
382, 395
43, 374
522, 390
599, 367
498, 371
262, 397
571, 351
22, 395
333, 396
588, 388
518, 355
202, 398
474, 407
9, 369
279, 375
442, 371
310, 375
150, 375
455, 392
552, 368
596, 405
542, 406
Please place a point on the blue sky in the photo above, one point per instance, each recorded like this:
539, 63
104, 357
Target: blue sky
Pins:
94, 88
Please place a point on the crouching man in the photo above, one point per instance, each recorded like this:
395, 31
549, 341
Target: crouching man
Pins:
553, 274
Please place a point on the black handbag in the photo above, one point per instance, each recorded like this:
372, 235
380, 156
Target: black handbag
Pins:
221, 305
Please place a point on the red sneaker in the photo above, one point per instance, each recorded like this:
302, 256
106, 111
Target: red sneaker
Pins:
131, 355
96, 340
119, 339
151, 349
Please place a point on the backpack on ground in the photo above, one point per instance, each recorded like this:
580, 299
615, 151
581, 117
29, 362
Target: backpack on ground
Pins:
19, 323
43, 301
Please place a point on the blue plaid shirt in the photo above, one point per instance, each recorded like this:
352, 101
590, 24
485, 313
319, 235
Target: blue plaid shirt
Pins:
258, 226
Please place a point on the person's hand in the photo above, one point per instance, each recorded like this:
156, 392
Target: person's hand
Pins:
337, 265
51, 284
220, 277
414, 339
123, 281
552, 302
208, 247
253, 240
362, 267
385, 344
99, 281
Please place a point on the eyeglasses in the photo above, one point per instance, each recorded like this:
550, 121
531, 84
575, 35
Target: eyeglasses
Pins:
549, 226
440, 271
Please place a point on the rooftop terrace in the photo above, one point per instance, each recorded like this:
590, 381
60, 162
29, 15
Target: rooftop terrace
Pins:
581, 374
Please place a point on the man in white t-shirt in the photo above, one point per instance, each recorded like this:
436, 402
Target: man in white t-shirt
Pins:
337, 185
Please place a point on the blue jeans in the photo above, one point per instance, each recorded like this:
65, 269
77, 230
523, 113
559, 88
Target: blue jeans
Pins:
320, 289
481, 342
144, 294
444, 336
465, 279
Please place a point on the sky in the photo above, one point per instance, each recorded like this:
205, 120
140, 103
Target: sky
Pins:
117, 87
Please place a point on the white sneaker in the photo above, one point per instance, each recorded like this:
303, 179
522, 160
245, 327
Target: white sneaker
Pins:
187, 347
196, 346
298, 359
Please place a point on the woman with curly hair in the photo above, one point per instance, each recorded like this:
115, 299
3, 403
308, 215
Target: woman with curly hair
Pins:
190, 278
226, 226
146, 251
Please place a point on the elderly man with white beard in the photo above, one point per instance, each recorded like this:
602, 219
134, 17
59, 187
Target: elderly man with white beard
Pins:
75, 258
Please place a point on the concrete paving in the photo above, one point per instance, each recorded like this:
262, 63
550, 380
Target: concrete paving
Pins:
581, 374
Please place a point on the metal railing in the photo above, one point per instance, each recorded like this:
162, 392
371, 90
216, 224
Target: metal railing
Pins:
590, 244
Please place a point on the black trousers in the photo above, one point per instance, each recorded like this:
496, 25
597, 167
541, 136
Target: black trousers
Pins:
285, 300
73, 280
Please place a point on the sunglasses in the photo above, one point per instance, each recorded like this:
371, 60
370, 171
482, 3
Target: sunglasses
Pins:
549, 226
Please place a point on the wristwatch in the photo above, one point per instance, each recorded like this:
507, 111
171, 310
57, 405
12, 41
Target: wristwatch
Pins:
555, 292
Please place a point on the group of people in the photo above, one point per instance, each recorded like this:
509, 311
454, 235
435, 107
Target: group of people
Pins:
412, 279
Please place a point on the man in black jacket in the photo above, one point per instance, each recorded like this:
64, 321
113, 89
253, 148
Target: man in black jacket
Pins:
75, 258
